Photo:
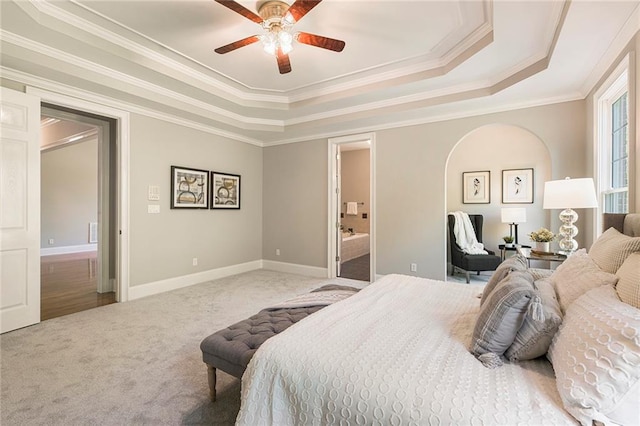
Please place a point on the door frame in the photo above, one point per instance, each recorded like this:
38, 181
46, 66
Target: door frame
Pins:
332, 200
122, 175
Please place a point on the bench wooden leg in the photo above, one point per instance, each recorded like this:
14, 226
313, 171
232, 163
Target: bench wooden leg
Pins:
211, 374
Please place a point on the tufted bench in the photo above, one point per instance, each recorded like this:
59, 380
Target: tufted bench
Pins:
231, 349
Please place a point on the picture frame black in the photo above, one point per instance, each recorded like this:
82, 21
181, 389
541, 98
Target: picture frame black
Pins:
225, 191
476, 187
189, 188
517, 186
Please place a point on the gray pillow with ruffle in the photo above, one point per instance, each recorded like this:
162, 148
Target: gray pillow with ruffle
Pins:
513, 263
502, 315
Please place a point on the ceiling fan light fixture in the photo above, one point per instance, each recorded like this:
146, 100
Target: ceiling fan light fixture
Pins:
277, 38
288, 19
277, 19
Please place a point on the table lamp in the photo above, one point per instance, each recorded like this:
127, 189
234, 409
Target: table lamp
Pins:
568, 194
513, 216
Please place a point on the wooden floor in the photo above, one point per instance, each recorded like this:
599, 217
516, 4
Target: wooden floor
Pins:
69, 284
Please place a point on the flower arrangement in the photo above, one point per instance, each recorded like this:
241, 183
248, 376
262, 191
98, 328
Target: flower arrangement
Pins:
542, 235
508, 239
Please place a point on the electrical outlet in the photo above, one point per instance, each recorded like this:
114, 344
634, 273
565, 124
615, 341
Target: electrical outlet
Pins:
277, 252
50, 241
414, 267
195, 261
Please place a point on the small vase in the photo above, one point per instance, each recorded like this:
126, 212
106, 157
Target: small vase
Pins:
542, 246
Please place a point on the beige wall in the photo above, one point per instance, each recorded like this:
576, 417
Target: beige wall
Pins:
497, 147
416, 158
69, 194
355, 187
163, 245
411, 206
284, 190
295, 203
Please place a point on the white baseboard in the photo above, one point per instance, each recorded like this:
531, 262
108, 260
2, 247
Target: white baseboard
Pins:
292, 268
148, 289
161, 286
49, 251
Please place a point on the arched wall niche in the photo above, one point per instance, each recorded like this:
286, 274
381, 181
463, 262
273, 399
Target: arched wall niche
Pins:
494, 148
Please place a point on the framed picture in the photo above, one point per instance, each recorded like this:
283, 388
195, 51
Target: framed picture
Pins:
226, 191
189, 188
517, 186
476, 187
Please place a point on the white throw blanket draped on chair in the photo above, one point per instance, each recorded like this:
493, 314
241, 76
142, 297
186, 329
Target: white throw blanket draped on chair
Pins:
465, 235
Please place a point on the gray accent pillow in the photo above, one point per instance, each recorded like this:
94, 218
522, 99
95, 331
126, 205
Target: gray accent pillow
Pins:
513, 263
534, 337
502, 315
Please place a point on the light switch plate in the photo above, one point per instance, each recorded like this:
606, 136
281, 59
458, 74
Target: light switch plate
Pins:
153, 208
154, 193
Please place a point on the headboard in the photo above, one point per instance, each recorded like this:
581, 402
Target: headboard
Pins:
628, 224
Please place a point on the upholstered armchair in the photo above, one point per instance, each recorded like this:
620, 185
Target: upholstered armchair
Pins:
471, 262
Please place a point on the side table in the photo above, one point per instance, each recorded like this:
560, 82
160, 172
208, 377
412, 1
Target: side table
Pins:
504, 249
532, 255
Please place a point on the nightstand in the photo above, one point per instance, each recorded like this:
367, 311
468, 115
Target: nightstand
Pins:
549, 257
504, 249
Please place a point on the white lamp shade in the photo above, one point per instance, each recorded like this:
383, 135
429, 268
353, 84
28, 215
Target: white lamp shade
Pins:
513, 215
570, 194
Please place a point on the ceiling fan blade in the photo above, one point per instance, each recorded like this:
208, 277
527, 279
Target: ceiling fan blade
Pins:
301, 8
320, 41
238, 8
284, 66
237, 44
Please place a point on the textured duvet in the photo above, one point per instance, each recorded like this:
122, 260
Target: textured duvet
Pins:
396, 353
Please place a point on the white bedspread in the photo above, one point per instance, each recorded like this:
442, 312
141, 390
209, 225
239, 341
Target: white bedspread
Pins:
393, 354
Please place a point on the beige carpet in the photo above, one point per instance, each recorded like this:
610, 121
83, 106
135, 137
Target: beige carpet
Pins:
134, 363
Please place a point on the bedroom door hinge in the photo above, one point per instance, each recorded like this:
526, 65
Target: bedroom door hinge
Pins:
337, 258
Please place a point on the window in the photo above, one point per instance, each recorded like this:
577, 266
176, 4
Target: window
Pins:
612, 143
616, 197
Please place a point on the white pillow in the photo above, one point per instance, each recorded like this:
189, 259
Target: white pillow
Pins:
611, 249
596, 358
628, 287
577, 275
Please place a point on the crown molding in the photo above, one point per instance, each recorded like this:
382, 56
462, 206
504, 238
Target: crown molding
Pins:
435, 118
51, 86
41, 83
467, 91
136, 83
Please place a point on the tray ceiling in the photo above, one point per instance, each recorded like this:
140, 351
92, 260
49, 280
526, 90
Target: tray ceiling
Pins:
404, 61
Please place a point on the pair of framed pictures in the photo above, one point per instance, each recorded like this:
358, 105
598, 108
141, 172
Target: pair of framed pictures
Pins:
203, 189
517, 187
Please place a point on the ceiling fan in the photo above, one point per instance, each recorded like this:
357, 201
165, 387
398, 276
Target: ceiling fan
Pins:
277, 18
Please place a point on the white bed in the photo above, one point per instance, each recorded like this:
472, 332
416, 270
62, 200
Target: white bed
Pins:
396, 353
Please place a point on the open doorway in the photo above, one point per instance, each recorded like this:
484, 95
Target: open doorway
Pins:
351, 227
78, 211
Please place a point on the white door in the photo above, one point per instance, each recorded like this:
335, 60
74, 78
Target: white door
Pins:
19, 210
